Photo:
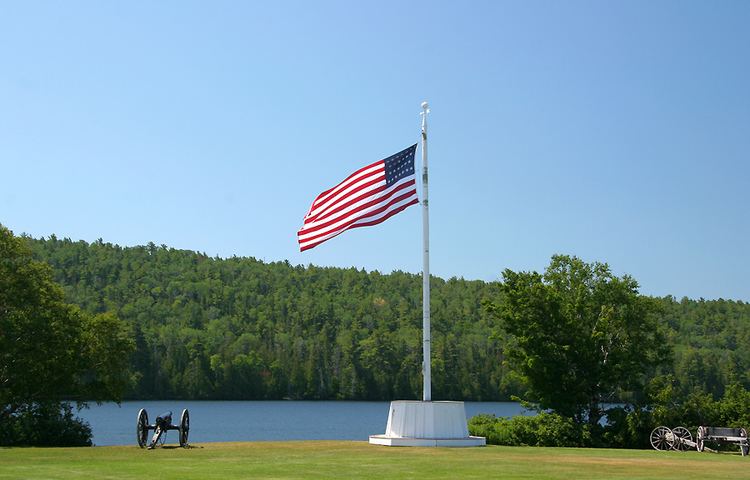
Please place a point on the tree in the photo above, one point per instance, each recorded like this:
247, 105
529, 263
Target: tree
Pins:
51, 352
578, 335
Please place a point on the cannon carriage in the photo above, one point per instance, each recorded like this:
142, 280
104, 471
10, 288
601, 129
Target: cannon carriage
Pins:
161, 426
680, 438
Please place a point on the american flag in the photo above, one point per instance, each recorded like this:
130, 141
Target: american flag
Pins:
367, 197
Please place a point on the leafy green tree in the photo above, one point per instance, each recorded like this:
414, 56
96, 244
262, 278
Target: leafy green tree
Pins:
578, 335
51, 351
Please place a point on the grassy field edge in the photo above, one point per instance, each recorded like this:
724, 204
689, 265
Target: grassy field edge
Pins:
358, 459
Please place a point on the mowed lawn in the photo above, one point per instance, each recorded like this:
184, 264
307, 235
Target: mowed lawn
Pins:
337, 459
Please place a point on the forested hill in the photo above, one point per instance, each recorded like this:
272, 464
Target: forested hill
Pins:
239, 328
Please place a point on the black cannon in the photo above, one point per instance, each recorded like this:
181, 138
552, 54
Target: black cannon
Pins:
160, 427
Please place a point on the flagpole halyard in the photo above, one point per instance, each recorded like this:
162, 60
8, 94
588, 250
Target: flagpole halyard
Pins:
427, 385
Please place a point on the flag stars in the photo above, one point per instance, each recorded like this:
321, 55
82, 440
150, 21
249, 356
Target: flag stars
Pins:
400, 165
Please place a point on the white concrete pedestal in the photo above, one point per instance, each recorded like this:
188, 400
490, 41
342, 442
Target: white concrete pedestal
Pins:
412, 423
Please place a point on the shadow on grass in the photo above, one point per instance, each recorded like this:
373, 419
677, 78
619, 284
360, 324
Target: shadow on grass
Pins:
176, 447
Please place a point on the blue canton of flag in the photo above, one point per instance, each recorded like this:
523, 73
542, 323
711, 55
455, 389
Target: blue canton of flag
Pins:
399, 166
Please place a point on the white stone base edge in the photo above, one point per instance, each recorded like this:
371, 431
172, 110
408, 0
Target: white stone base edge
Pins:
427, 442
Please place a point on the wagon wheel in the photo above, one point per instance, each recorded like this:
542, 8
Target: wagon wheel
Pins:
681, 434
699, 445
184, 428
662, 438
141, 427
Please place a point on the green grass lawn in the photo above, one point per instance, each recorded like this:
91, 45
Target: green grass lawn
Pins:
336, 459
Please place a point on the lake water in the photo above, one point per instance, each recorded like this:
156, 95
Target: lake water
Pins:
224, 421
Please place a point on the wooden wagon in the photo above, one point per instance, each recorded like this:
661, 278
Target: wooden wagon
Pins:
723, 435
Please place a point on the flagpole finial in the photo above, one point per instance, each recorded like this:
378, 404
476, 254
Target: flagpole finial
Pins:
425, 106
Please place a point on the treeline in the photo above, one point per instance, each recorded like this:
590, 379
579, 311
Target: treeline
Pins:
711, 343
240, 328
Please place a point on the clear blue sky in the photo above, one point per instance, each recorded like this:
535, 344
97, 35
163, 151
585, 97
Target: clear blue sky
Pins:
614, 131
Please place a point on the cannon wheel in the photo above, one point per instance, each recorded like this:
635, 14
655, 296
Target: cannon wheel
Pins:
699, 439
662, 438
680, 435
141, 427
184, 428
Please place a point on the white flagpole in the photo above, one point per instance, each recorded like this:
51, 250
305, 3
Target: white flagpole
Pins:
427, 386
421, 424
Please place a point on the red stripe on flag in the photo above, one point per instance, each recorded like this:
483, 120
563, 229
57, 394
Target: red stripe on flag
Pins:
365, 224
351, 223
341, 185
360, 186
377, 199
